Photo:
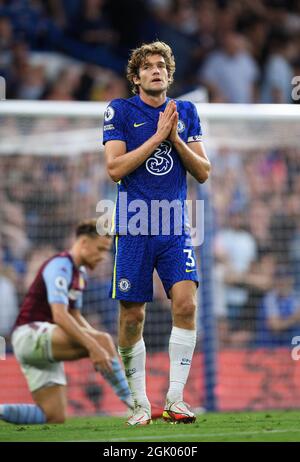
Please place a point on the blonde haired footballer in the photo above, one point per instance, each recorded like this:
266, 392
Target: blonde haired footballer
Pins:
50, 329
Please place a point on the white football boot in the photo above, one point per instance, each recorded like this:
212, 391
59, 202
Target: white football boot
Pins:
178, 412
141, 416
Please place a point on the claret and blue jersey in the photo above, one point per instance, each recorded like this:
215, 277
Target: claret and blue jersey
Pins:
162, 177
58, 280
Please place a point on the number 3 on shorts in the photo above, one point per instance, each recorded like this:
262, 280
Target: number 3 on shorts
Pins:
190, 259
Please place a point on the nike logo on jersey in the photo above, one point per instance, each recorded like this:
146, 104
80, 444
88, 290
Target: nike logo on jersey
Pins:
188, 271
138, 125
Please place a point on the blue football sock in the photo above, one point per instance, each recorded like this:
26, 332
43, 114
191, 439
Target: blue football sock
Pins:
119, 383
23, 414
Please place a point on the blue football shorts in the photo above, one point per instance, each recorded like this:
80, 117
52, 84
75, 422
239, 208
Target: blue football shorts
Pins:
136, 257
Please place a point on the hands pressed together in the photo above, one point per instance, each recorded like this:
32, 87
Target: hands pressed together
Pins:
167, 123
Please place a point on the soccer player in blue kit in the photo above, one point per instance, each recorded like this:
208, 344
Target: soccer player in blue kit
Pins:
151, 142
50, 329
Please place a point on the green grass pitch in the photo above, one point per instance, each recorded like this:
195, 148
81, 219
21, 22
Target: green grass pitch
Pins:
265, 426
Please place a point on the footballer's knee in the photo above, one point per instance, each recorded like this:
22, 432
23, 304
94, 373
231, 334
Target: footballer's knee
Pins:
131, 322
134, 316
53, 402
184, 314
59, 419
56, 416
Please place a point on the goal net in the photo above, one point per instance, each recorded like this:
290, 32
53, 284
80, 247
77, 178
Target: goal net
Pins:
52, 175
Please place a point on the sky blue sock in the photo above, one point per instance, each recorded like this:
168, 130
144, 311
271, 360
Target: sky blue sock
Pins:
119, 383
23, 414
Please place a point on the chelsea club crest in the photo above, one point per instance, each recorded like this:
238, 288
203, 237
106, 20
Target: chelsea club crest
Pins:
124, 285
180, 126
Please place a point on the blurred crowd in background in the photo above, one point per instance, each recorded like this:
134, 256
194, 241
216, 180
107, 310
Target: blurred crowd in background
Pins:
239, 51
256, 241
257, 245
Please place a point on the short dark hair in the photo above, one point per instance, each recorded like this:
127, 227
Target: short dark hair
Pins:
87, 228
92, 227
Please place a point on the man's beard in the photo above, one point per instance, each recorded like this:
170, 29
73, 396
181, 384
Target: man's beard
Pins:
153, 91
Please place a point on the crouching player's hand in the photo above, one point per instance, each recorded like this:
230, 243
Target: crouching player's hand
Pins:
100, 359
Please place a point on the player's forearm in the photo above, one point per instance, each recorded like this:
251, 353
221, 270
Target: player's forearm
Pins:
123, 165
80, 319
67, 322
198, 166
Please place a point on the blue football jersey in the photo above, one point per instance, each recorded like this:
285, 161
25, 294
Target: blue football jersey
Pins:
162, 176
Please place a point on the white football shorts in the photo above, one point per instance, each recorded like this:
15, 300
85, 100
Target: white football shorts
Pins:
32, 348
